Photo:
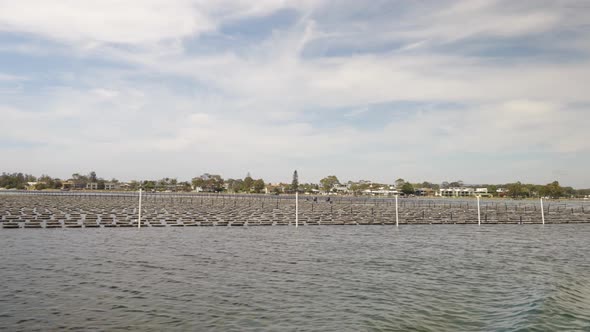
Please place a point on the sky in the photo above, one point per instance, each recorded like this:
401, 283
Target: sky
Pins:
483, 91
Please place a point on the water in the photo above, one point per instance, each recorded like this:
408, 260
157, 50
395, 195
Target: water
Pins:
327, 278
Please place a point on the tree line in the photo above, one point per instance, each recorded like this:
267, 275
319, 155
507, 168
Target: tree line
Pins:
216, 183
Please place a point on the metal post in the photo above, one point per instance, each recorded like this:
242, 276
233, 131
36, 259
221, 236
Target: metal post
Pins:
478, 213
396, 213
296, 209
542, 212
139, 211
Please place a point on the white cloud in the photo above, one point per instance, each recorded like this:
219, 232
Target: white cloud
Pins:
11, 78
89, 23
248, 107
105, 21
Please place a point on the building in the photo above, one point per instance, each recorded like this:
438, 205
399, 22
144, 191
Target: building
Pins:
111, 186
381, 191
482, 192
66, 185
92, 186
341, 189
424, 192
457, 192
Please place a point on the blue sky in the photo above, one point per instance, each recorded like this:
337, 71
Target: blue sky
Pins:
485, 91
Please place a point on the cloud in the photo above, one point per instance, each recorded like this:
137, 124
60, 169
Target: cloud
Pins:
90, 23
132, 88
11, 78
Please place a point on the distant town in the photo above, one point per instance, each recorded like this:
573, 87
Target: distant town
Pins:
330, 185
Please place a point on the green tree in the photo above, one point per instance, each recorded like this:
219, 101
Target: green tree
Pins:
492, 189
185, 186
134, 185
456, 184
15, 180
399, 183
427, 184
148, 185
209, 182
234, 185
295, 182
329, 182
516, 190
553, 190
258, 186
408, 188
358, 188
248, 183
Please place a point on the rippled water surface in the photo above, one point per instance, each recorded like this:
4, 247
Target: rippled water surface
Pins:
327, 278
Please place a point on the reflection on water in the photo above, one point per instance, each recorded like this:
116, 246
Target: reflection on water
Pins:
431, 278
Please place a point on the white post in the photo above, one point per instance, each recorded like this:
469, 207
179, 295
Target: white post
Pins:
542, 212
296, 209
478, 213
396, 213
139, 211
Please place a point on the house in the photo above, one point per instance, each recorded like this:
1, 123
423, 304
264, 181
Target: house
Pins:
111, 186
66, 185
424, 192
340, 189
125, 186
381, 191
501, 192
72, 184
276, 188
457, 192
92, 186
482, 192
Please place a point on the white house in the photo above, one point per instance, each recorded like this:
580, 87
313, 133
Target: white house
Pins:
457, 192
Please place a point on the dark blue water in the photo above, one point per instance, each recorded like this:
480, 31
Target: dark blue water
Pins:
333, 278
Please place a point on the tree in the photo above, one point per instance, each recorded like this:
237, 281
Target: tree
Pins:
516, 190
92, 177
258, 186
248, 183
235, 185
295, 182
134, 185
492, 189
427, 184
80, 181
553, 190
329, 182
408, 189
209, 182
357, 188
569, 191
456, 184
399, 183
185, 186
149, 185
